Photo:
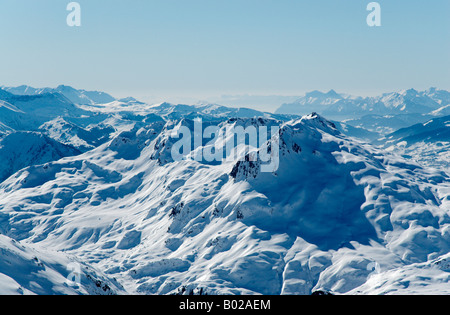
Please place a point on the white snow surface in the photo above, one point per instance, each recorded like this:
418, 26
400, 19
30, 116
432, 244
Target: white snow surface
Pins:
426, 143
402, 102
339, 215
25, 270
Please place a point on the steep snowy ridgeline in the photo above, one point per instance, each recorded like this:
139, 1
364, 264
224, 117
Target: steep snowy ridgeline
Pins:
26, 270
75, 136
164, 144
74, 95
335, 216
22, 149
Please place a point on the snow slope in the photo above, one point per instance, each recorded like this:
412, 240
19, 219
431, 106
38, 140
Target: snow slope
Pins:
74, 95
428, 143
83, 139
27, 113
25, 270
437, 129
386, 124
315, 101
178, 111
337, 214
22, 149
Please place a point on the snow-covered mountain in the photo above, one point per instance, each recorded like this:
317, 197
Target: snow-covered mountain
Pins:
442, 111
404, 102
428, 143
409, 101
22, 149
28, 112
357, 132
338, 215
315, 101
387, 124
83, 139
27, 270
383, 114
437, 129
99, 182
75, 96
167, 111
441, 97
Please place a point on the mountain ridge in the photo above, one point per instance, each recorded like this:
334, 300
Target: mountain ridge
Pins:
335, 104
74, 95
331, 207
161, 226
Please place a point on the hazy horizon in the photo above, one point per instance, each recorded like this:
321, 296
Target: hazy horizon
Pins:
262, 102
204, 49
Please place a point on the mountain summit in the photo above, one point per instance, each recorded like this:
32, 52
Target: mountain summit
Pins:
82, 97
333, 104
98, 186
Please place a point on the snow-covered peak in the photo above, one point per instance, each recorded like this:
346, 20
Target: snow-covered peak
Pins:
335, 214
334, 207
74, 95
402, 102
82, 139
129, 99
319, 122
321, 95
410, 92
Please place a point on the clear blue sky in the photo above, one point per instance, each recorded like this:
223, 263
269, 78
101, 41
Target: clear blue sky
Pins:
198, 48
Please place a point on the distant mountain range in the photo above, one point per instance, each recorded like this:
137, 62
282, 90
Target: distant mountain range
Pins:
428, 143
25, 108
332, 104
89, 179
74, 95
